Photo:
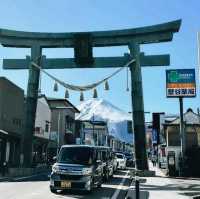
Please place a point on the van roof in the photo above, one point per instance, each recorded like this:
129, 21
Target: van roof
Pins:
103, 147
90, 146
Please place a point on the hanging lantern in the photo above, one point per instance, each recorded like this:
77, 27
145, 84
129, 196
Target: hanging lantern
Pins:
81, 96
66, 94
106, 86
55, 88
95, 93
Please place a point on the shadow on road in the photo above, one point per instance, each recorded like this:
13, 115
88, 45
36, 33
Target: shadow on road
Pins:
171, 187
34, 178
106, 191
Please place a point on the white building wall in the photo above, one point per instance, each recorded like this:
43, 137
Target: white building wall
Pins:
43, 115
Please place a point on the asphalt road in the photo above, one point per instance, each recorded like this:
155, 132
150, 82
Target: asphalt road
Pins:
37, 187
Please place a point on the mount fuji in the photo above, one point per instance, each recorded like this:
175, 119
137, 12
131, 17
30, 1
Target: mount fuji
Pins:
102, 110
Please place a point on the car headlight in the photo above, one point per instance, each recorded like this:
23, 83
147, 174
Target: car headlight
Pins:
55, 169
87, 171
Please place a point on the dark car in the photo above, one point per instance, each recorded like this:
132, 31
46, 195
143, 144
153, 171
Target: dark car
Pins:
107, 159
77, 167
129, 159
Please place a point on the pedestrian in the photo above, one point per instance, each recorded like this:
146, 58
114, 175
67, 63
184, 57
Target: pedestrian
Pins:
4, 168
153, 159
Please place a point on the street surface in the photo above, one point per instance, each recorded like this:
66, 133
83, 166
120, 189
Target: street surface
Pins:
37, 187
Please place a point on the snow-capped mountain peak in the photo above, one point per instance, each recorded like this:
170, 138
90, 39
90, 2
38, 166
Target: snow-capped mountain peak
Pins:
99, 109
102, 110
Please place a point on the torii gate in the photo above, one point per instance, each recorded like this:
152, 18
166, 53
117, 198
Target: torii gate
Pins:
83, 43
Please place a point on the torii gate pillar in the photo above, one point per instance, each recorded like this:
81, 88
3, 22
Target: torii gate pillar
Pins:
138, 107
31, 105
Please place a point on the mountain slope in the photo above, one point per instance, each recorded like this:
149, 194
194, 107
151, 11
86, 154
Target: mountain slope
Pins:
102, 110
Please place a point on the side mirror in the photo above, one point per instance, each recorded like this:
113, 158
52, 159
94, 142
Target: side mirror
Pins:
98, 161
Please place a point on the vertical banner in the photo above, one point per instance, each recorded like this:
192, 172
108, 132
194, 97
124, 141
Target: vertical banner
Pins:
156, 128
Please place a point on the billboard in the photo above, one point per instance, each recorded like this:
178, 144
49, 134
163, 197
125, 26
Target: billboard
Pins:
180, 83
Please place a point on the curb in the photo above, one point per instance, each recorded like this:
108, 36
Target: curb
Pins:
17, 178
4, 179
26, 177
196, 197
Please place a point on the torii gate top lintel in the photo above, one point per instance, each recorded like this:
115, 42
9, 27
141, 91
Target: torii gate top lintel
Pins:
149, 34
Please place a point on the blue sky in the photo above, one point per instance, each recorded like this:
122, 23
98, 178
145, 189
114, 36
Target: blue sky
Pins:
92, 15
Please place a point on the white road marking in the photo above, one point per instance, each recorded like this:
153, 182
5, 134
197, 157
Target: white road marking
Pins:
119, 187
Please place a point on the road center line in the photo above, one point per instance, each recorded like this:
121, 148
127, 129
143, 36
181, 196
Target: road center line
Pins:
119, 187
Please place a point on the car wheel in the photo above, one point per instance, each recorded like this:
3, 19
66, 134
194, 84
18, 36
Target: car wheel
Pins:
53, 190
106, 176
99, 184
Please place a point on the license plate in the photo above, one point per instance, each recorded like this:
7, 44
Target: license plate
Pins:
65, 184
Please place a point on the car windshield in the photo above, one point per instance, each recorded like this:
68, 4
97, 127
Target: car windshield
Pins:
128, 155
120, 156
75, 155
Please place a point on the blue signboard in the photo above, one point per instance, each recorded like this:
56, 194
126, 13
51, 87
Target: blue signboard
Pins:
180, 83
154, 136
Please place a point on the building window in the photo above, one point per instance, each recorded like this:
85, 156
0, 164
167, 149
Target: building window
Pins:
47, 126
174, 139
37, 129
191, 139
69, 123
17, 122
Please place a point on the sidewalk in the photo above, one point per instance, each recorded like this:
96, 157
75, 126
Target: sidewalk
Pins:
161, 186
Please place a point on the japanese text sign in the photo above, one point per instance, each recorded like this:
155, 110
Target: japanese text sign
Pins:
180, 83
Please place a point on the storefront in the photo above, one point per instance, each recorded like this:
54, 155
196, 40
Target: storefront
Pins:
9, 148
39, 150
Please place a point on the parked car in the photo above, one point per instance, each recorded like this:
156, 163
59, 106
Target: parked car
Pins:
129, 159
121, 161
77, 167
114, 157
107, 159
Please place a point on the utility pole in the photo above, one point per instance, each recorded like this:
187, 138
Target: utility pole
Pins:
182, 135
58, 136
93, 129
